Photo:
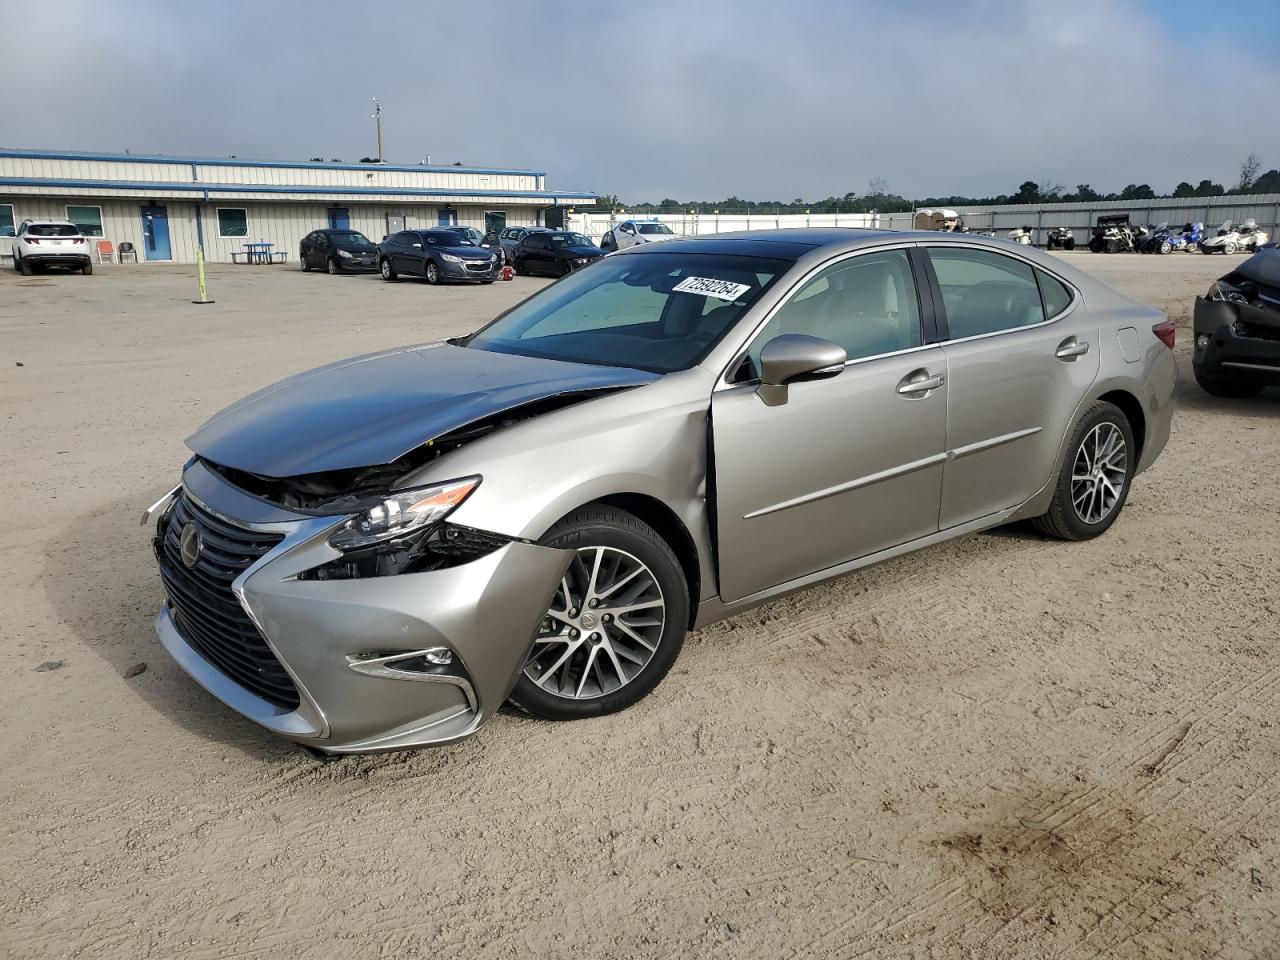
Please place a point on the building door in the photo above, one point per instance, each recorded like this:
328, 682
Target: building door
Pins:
495, 221
339, 218
155, 233
447, 218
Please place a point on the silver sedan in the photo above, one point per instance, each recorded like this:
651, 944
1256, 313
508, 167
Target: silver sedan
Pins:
379, 553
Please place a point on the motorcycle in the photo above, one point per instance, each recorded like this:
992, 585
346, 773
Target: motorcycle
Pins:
1061, 237
1113, 234
1022, 235
1187, 240
1147, 239
1229, 239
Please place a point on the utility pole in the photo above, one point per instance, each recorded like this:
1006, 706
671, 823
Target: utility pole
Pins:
377, 115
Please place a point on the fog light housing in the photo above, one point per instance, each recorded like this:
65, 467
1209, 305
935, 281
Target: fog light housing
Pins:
1202, 341
440, 656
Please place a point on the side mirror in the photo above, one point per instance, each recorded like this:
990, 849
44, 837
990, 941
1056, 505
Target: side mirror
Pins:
798, 356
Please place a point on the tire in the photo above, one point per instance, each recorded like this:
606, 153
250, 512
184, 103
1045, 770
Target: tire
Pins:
1228, 389
384, 267
1068, 244
332, 266
431, 272
1205, 250
518, 264
561, 656
87, 269
303, 263
25, 269
1095, 245
1080, 509
1229, 247
1166, 247
485, 283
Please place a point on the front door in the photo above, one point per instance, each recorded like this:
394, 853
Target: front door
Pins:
1014, 381
155, 233
339, 218
838, 468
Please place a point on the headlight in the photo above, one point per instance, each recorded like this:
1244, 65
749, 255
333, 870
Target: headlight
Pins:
345, 254
403, 513
450, 258
581, 260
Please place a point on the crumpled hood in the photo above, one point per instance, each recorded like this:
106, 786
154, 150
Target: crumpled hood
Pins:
374, 409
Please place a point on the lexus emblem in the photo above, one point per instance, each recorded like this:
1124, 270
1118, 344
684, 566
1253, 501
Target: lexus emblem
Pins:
190, 545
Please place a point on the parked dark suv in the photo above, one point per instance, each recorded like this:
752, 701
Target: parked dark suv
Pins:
338, 251
510, 237
555, 253
439, 255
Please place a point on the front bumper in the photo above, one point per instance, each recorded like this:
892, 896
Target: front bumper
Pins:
1241, 342
464, 271
327, 634
358, 265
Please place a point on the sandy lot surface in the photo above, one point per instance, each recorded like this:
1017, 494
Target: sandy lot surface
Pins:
1002, 747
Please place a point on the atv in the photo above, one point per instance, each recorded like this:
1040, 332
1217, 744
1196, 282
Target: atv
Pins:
1113, 234
1061, 237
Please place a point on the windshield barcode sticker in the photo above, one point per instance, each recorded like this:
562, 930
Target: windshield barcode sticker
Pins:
708, 286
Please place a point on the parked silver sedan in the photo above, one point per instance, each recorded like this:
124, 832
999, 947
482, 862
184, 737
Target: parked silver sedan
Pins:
379, 553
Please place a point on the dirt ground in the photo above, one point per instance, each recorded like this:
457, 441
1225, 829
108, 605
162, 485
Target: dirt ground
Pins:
1001, 747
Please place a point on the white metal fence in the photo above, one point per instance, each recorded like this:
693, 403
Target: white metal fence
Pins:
596, 225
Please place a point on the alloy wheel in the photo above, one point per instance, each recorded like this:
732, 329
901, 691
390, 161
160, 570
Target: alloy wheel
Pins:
1099, 472
433, 272
603, 628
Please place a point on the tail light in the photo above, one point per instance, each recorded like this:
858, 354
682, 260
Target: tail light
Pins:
1166, 331
33, 240
78, 240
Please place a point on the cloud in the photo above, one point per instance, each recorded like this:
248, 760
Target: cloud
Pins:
659, 99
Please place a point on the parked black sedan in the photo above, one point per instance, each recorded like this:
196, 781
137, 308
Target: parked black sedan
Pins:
554, 253
338, 251
510, 238
439, 255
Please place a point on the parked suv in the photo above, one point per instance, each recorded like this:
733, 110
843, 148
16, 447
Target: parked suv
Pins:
337, 251
512, 236
438, 255
50, 243
554, 253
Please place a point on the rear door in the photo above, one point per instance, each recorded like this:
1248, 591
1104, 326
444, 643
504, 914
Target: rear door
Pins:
1016, 371
842, 467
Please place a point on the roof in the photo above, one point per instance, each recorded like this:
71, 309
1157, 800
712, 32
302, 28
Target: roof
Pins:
775, 244
28, 154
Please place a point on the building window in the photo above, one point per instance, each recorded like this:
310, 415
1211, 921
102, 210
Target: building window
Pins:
6, 220
88, 219
233, 222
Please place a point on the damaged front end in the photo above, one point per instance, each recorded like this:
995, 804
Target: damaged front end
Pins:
1237, 329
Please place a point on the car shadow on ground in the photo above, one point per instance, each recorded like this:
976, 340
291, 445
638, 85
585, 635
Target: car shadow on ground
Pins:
1189, 396
102, 583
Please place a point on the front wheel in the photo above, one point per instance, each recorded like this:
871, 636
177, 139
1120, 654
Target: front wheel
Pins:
332, 265
384, 266
615, 625
1093, 481
1229, 247
432, 272
1166, 247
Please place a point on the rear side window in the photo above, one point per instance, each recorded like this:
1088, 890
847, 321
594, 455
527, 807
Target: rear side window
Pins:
985, 292
1056, 294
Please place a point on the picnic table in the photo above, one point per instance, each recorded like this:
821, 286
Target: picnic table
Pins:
259, 252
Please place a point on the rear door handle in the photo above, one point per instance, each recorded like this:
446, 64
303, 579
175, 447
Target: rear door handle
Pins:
1071, 348
919, 382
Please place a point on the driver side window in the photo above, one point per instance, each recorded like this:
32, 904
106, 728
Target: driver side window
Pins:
867, 304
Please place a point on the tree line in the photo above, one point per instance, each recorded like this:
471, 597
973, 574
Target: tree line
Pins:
880, 199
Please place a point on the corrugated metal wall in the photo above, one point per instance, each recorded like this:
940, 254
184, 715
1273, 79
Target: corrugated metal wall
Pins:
284, 224
595, 225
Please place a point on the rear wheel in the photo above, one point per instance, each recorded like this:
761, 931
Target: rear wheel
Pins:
1166, 247
25, 268
384, 266
1068, 244
616, 624
87, 268
303, 264
1235, 387
1093, 482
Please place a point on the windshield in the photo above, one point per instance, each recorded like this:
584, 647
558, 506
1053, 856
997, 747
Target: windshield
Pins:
52, 230
659, 312
654, 228
570, 240
352, 238
470, 234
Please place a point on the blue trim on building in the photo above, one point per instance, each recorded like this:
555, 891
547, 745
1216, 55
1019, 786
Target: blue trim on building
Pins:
236, 162
206, 189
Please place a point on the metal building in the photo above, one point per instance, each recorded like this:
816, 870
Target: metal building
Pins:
164, 205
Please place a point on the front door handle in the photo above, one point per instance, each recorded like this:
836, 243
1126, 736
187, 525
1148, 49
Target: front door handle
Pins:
1071, 348
919, 382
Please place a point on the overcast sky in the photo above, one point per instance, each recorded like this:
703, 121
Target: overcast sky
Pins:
692, 99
